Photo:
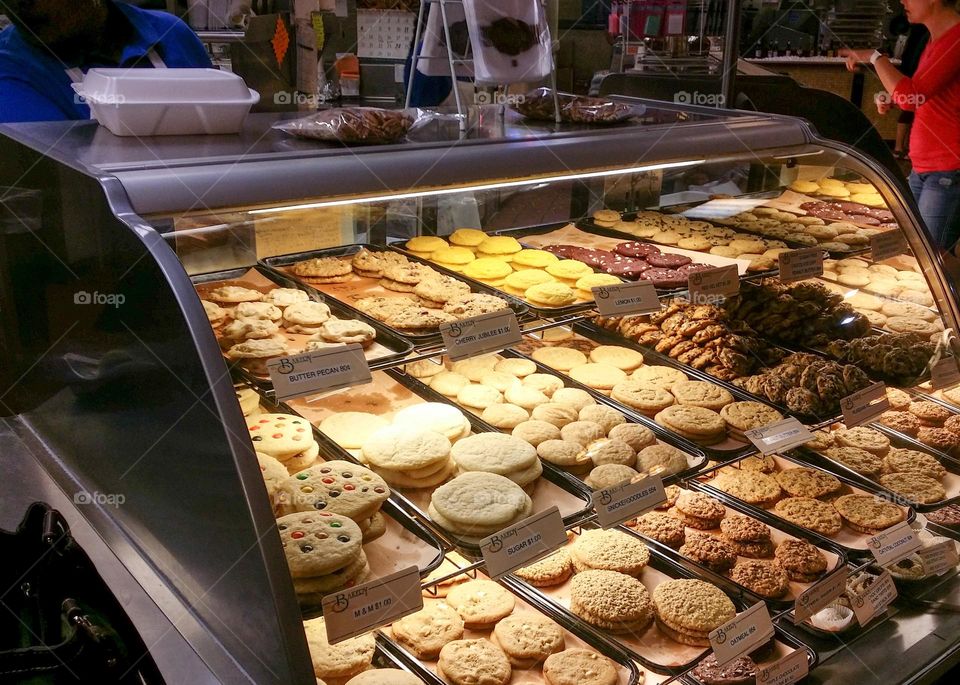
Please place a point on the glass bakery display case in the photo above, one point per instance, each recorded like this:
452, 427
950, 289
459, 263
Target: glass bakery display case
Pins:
150, 286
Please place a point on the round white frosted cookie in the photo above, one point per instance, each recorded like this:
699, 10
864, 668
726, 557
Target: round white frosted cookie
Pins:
350, 429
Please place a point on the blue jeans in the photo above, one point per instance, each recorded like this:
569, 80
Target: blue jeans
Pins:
938, 196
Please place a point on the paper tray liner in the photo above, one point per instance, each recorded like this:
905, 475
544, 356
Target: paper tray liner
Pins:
297, 341
571, 235
533, 676
728, 444
847, 537
653, 645
777, 536
384, 396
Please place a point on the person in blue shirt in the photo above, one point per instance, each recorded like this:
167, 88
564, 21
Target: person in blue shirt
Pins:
52, 43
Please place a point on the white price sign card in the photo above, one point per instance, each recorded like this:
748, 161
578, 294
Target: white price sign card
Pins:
888, 244
944, 373
481, 334
523, 543
792, 668
708, 287
629, 298
875, 600
939, 558
628, 500
820, 595
360, 609
864, 405
319, 371
780, 436
895, 543
799, 265
742, 635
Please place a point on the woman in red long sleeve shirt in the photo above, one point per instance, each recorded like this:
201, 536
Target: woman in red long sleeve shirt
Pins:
933, 92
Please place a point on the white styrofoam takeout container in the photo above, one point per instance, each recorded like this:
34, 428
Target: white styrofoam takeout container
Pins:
167, 102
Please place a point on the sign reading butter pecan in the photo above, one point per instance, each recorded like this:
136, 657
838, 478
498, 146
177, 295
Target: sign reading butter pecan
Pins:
818, 596
331, 368
742, 635
945, 373
628, 500
864, 405
798, 265
715, 285
629, 298
523, 543
780, 436
875, 599
481, 334
888, 244
895, 543
362, 608
792, 668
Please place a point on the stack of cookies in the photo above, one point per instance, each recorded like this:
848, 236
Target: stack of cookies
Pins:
337, 487
477, 504
342, 661
915, 475
689, 610
249, 400
612, 601
698, 424
324, 553
498, 453
285, 437
899, 358
414, 451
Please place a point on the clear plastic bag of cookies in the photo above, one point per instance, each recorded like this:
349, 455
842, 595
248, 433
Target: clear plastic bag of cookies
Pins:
356, 125
575, 109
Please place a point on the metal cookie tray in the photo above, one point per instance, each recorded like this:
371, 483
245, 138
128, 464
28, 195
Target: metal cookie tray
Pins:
652, 649
538, 309
396, 389
407, 541
386, 347
696, 455
589, 225
577, 635
592, 330
834, 555
357, 286
725, 451
853, 543
784, 644
950, 482
390, 655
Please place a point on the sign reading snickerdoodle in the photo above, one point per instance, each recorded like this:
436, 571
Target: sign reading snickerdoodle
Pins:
481, 334
888, 244
780, 436
818, 596
319, 371
895, 543
798, 265
742, 635
864, 405
709, 287
630, 298
524, 542
360, 609
629, 499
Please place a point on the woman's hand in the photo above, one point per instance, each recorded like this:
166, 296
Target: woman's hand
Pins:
856, 57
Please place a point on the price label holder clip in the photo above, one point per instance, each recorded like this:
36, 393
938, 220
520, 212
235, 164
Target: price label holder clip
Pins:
864, 405
629, 499
523, 543
780, 436
319, 371
742, 635
362, 608
481, 334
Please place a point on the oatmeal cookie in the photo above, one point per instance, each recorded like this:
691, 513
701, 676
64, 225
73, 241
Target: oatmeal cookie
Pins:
813, 514
738, 528
863, 462
913, 461
712, 552
802, 562
864, 438
698, 510
914, 487
902, 421
805, 482
661, 527
764, 578
868, 514
752, 487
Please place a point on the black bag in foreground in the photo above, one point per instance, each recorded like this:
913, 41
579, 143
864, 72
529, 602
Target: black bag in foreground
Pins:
59, 623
